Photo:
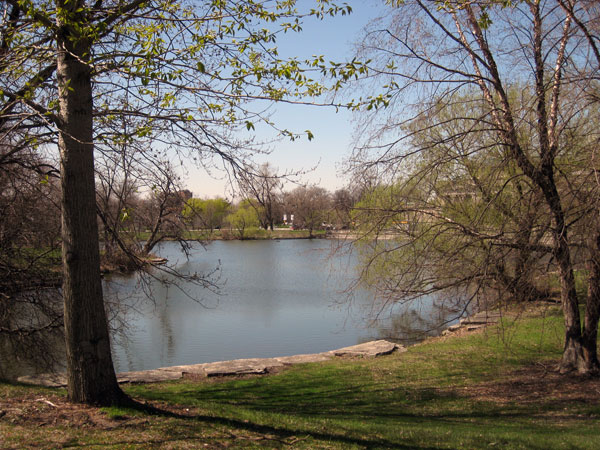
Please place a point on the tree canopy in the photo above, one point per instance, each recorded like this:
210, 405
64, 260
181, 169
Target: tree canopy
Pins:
488, 151
154, 78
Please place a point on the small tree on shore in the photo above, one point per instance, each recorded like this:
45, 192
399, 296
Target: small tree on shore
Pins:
243, 219
206, 213
264, 188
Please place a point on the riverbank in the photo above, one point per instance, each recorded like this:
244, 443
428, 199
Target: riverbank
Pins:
493, 387
121, 263
280, 233
249, 234
236, 367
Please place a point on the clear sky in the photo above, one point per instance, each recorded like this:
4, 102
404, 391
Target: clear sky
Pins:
333, 37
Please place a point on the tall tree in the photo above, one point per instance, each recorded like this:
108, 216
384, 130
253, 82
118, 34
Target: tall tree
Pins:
264, 187
343, 201
90, 371
310, 207
586, 17
182, 75
430, 53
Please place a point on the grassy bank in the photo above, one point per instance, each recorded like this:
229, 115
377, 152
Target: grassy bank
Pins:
250, 234
492, 389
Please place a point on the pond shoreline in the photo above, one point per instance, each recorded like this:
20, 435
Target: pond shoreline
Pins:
264, 366
275, 298
119, 267
236, 367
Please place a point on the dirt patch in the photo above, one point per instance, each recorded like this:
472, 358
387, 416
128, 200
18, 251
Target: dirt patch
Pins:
49, 410
36, 410
538, 384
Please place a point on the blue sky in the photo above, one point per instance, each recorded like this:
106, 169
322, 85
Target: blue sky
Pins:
333, 37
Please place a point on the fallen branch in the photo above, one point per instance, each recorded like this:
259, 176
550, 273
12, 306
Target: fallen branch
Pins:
47, 402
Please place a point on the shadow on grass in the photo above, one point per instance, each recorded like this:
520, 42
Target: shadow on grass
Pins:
277, 435
344, 411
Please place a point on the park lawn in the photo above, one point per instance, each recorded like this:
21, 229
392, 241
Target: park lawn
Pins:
478, 390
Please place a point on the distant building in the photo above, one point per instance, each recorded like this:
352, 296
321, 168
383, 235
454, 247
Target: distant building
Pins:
285, 219
185, 194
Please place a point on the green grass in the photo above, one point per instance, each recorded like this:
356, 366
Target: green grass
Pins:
416, 399
44, 259
121, 412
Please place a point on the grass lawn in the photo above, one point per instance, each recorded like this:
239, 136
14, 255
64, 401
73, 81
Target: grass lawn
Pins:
479, 390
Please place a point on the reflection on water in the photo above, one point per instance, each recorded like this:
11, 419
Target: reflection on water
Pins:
275, 298
31, 338
31, 354
411, 324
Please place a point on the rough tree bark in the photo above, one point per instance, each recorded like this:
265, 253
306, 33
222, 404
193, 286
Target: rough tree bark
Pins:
90, 372
587, 24
592, 310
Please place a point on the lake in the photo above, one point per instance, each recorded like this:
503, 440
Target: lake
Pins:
275, 298
269, 298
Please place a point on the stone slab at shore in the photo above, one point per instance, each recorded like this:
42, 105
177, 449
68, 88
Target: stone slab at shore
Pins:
255, 366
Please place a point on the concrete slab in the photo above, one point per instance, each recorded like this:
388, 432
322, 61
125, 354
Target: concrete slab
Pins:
302, 359
370, 349
482, 318
476, 321
241, 367
149, 376
255, 366
196, 369
475, 327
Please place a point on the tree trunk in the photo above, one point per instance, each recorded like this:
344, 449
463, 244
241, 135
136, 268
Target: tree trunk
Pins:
90, 372
572, 358
592, 310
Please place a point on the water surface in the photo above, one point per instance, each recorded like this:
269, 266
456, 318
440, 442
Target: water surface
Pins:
276, 298
271, 298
